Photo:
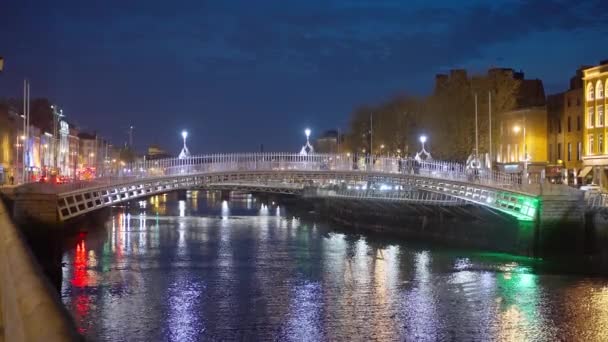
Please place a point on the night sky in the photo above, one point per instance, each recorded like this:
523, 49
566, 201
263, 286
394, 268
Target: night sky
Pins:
240, 73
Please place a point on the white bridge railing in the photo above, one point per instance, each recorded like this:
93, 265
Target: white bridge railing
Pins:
312, 162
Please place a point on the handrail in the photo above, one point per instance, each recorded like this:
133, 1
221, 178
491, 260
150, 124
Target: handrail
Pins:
213, 163
29, 311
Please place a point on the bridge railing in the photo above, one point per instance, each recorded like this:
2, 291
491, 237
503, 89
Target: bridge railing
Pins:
596, 200
312, 162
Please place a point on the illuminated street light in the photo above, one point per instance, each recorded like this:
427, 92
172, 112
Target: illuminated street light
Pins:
306, 149
516, 129
423, 152
185, 153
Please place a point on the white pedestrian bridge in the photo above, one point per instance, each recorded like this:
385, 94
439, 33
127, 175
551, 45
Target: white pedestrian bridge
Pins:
290, 173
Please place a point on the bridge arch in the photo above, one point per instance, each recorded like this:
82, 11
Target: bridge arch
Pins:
289, 173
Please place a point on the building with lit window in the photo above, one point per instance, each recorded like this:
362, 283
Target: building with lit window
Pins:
522, 138
595, 156
565, 126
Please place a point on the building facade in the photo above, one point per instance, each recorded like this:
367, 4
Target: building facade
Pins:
595, 156
565, 126
522, 139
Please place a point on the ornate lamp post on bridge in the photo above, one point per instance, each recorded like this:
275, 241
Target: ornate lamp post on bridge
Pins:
307, 149
423, 152
185, 153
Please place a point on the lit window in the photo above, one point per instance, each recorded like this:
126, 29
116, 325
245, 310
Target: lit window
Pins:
591, 150
599, 90
590, 92
591, 117
569, 151
600, 115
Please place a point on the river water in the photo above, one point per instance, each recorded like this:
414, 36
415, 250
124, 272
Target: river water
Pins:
204, 269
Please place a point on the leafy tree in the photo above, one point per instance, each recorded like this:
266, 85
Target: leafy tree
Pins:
447, 117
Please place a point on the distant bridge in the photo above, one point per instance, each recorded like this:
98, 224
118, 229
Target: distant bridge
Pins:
291, 173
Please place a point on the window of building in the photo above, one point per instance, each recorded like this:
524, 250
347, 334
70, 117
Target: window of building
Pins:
509, 157
559, 151
568, 102
501, 128
579, 151
591, 117
591, 149
600, 115
599, 90
551, 152
559, 126
600, 144
578, 122
569, 151
590, 92
569, 125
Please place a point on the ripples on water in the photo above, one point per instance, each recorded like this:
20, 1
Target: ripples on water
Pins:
201, 269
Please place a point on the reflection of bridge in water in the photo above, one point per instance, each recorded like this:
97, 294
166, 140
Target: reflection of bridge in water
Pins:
436, 182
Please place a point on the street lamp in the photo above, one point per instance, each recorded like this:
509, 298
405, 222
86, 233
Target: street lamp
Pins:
307, 149
185, 153
423, 152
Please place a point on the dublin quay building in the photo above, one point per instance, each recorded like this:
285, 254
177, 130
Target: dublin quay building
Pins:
595, 156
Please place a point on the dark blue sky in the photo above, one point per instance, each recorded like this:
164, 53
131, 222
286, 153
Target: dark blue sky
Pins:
241, 73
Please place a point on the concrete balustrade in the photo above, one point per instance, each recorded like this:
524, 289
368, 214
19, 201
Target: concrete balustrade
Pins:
29, 308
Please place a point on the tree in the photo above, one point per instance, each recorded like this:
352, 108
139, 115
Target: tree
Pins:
395, 125
447, 117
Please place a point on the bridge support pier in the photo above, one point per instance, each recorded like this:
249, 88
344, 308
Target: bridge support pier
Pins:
182, 195
560, 224
29, 207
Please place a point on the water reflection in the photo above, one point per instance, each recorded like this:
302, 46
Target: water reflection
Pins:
242, 270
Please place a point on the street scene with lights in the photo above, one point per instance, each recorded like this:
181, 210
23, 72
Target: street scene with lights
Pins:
319, 171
